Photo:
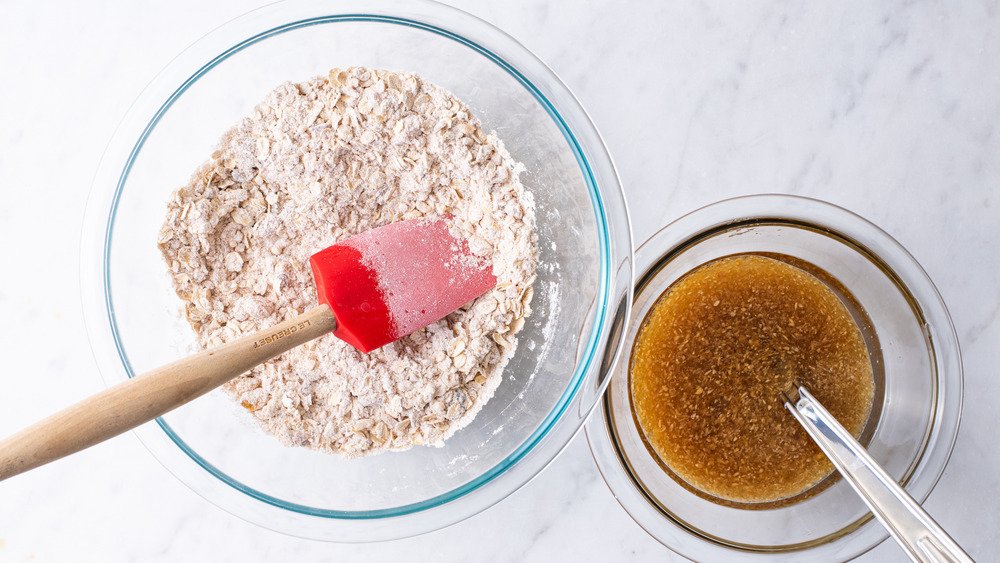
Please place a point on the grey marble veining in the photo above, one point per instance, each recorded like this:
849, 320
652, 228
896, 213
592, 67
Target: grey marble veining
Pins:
890, 109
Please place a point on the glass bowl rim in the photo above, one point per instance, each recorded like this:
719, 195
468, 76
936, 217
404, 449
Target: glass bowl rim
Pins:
946, 405
104, 320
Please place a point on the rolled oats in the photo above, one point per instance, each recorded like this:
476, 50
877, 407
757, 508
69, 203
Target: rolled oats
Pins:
317, 162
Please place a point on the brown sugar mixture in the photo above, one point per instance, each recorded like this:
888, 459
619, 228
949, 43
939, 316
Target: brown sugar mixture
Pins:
710, 363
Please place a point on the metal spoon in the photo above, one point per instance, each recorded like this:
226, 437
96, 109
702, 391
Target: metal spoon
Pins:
912, 528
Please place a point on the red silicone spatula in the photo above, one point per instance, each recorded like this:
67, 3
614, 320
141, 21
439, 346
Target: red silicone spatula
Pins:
373, 288
388, 282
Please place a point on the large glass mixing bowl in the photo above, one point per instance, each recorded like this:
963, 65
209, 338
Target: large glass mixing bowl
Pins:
568, 347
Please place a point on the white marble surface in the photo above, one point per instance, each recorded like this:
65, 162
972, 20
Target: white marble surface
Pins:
888, 108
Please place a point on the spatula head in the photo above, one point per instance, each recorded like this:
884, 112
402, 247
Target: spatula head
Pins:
385, 283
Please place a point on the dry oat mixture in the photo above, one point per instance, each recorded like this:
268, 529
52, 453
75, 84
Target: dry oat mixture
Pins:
315, 163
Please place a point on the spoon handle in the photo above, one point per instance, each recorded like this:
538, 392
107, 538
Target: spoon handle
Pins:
147, 396
912, 528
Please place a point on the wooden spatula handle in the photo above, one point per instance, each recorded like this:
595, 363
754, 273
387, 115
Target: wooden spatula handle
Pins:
154, 393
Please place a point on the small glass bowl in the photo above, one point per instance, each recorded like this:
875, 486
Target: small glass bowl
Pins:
567, 347
915, 419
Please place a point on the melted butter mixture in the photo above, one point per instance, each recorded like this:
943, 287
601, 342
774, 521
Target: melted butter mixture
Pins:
711, 360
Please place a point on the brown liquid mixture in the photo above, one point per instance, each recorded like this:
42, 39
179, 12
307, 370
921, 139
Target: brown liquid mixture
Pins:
711, 360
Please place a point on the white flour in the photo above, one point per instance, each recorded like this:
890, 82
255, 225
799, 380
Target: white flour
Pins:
315, 163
